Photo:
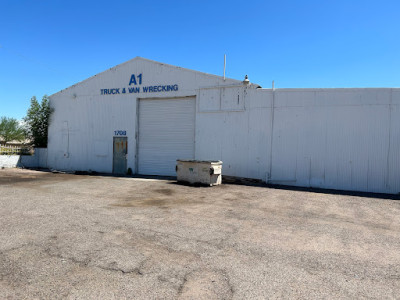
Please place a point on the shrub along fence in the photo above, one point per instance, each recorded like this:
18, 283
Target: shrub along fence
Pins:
23, 157
16, 150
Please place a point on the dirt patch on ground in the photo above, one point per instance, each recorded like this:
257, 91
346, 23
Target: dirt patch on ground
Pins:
158, 202
21, 177
167, 192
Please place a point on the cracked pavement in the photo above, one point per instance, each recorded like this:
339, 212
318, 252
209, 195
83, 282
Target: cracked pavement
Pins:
69, 236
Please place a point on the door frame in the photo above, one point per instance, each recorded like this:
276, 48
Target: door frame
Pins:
126, 158
138, 125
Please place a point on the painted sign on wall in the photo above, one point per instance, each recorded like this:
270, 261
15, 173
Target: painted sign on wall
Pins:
120, 132
135, 86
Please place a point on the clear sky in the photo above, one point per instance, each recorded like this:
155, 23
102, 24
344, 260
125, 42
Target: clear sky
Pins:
48, 45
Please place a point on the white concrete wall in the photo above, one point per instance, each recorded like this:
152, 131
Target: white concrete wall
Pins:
38, 160
9, 161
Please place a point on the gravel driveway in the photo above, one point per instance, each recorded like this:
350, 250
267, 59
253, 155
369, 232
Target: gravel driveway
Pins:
98, 237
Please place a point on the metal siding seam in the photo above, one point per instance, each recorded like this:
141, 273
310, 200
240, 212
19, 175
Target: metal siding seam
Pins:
272, 135
389, 144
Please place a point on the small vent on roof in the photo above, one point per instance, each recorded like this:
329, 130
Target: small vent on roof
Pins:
246, 80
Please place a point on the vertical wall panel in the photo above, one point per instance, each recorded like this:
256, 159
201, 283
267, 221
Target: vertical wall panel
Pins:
237, 135
338, 139
393, 157
259, 130
284, 145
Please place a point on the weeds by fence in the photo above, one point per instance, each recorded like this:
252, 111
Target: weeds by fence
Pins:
15, 150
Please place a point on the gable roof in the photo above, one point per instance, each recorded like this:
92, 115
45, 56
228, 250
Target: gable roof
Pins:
146, 60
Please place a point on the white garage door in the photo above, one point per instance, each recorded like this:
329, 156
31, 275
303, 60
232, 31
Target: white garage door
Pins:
166, 133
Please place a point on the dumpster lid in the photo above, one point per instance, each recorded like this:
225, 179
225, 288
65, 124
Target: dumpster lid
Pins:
201, 161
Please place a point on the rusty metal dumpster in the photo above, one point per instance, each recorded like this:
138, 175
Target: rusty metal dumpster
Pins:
206, 172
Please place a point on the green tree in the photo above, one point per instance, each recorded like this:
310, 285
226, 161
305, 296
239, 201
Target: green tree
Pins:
37, 121
11, 130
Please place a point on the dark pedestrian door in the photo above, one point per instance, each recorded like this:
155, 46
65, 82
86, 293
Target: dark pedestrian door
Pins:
119, 155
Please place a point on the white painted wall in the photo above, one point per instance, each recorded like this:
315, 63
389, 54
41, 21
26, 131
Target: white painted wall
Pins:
345, 139
83, 123
235, 132
37, 160
340, 138
9, 161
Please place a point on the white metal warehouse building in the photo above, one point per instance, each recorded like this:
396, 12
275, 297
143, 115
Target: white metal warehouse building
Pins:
144, 115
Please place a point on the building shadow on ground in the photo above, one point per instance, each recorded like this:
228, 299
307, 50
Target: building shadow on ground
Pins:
239, 181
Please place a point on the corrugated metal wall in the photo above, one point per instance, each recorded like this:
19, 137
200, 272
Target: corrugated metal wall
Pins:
83, 123
345, 139
329, 138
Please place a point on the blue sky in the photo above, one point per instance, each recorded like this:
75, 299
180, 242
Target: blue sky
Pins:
48, 45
